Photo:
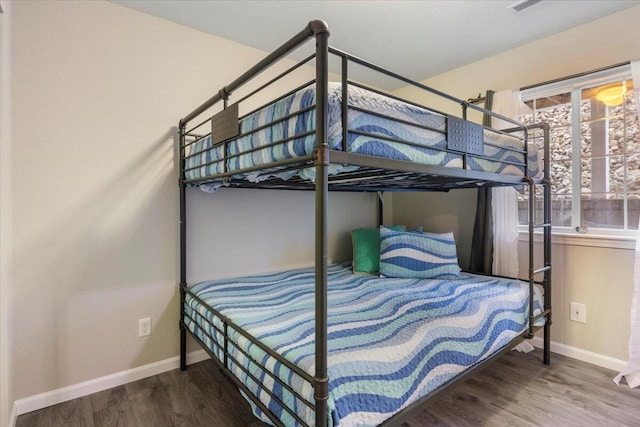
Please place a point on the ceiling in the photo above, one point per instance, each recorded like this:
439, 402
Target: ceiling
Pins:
418, 39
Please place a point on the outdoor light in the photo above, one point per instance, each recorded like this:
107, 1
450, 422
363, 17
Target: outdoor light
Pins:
612, 96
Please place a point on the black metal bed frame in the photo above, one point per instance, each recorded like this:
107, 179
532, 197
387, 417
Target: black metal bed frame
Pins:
374, 175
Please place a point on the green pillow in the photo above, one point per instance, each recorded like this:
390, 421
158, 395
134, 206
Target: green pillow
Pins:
366, 249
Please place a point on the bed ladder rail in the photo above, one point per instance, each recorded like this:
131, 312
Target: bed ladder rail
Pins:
545, 227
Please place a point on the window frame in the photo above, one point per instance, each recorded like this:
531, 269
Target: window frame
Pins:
576, 233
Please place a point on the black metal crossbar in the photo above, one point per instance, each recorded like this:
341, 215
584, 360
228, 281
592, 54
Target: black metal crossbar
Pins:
304, 375
229, 358
227, 355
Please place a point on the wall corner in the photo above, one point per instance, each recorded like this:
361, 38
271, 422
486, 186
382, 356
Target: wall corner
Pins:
7, 408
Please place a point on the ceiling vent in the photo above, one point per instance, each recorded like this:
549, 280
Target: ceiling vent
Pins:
523, 4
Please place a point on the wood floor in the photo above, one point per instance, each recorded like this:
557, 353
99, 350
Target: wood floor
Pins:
517, 390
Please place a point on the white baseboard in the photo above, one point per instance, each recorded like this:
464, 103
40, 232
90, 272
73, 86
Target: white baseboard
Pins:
42, 400
582, 355
39, 401
14, 415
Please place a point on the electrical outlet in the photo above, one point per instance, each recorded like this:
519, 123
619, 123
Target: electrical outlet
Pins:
578, 312
144, 327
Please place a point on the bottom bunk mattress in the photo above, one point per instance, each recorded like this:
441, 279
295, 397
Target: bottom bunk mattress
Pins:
390, 341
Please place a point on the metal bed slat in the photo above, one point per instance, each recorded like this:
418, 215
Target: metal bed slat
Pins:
273, 396
506, 132
279, 120
400, 141
247, 355
505, 162
291, 92
251, 338
548, 224
276, 422
429, 147
296, 160
515, 150
197, 126
397, 98
540, 315
419, 85
542, 269
272, 144
286, 386
394, 119
214, 341
252, 131
278, 77
409, 182
254, 149
419, 168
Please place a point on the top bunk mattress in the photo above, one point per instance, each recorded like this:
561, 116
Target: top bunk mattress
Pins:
377, 125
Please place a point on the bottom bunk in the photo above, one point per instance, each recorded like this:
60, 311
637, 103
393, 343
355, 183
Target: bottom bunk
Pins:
391, 342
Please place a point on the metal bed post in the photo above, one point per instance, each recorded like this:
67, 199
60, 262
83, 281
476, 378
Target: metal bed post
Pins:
546, 226
321, 154
465, 155
547, 242
547, 274
345, 101
526, 151
183, 250
532, 272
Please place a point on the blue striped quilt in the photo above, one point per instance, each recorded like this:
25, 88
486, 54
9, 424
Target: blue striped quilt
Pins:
391, 341
296, 137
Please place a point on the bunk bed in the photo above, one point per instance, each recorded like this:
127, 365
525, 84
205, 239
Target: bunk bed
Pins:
310, 346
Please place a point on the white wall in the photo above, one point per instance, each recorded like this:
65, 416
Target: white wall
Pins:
439, 213
599, 277
6, 389
98, 89
289, 217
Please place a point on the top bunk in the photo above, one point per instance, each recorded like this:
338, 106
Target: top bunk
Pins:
368, 140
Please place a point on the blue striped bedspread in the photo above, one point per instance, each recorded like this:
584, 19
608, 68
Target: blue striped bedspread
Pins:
390, 341
295, 132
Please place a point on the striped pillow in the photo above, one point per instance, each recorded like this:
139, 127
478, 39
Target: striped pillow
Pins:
414, 255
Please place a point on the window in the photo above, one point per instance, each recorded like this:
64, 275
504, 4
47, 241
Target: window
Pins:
595, 150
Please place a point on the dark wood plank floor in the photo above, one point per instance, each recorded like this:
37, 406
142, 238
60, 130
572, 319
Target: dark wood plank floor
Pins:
517, 390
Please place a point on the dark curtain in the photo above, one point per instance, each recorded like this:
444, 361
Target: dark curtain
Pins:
482, 244
488, 105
